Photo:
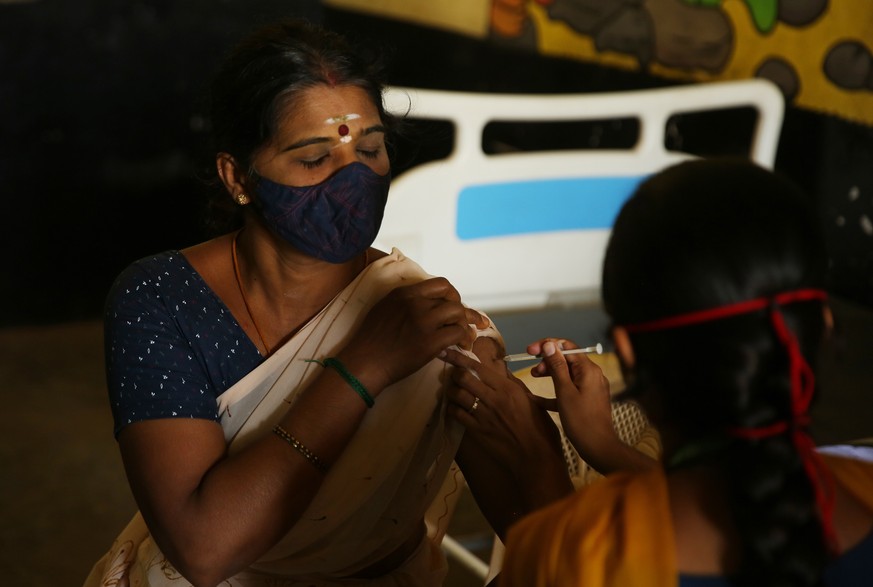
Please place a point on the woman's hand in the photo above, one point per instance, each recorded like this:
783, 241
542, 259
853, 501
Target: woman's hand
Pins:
502, 416
585, 405
410, 326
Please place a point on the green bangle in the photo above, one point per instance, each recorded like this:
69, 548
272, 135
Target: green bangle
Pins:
350, 379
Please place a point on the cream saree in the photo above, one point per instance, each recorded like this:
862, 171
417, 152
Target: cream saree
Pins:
397, 470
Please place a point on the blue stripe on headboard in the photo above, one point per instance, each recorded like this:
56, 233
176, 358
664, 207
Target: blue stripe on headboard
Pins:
549, 205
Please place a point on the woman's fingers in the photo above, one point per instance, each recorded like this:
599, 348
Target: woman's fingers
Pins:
556, 364
491, 377
478, 319
434, 288
572, 374
442, 312
550, 404
536, 348
564, 344
472, 380
433, 310
459, 359
464, 407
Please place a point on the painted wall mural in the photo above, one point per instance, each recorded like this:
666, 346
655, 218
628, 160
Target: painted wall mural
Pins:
819, 52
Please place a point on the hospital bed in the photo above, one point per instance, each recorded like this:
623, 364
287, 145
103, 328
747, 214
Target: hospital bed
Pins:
477, 218
525, 230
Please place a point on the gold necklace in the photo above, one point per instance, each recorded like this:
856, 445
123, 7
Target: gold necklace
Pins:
242, 292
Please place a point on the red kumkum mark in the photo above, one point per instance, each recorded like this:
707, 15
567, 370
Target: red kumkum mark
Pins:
343, 130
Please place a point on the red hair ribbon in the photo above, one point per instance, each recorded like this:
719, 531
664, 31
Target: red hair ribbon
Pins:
799, 295
802, 389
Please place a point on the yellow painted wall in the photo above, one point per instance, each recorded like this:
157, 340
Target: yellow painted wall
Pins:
677, 39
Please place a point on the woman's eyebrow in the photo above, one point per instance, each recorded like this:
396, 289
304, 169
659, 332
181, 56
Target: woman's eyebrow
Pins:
319, 140
306, 142
374, 128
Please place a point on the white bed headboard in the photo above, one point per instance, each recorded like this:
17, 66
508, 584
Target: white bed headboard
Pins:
525, 230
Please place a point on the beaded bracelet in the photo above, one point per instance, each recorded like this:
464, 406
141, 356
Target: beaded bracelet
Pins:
350, 379
301, 448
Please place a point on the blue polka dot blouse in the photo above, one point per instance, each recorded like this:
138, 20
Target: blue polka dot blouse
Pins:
172, 346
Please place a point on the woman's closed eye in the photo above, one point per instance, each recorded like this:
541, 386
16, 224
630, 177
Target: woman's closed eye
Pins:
370, 153
364, 152
313, 163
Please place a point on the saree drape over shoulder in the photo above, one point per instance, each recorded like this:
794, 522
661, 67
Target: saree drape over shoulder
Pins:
618, 532
396, 471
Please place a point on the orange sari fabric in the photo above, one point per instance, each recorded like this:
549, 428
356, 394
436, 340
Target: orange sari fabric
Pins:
618, 532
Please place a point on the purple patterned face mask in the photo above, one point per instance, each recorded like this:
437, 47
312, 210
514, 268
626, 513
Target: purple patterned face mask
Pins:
334, 220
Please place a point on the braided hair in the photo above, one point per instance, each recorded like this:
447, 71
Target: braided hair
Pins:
704, 234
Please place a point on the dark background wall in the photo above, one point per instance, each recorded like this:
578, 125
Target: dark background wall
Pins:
102, 135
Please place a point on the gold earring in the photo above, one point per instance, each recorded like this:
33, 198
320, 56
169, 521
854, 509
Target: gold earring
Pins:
242, 199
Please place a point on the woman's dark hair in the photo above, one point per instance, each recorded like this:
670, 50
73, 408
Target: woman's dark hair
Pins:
265, 73
703, 234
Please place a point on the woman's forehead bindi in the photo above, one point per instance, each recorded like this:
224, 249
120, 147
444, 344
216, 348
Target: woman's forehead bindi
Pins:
343, 129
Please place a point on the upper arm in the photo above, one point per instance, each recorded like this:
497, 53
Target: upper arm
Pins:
171, 349
166, 461
493, 486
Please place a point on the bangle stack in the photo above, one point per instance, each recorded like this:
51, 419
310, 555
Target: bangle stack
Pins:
301, 448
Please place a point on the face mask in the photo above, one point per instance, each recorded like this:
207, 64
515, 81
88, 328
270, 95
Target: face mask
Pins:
334, 220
